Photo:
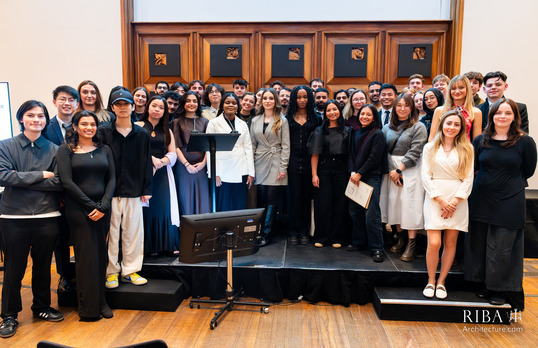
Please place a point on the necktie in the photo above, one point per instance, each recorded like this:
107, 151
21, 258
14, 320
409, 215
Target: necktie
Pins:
387, 112
66, 126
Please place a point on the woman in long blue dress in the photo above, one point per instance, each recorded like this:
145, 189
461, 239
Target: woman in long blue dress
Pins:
190, 170
161, 217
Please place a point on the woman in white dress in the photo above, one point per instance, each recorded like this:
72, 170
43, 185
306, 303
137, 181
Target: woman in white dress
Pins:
447, 176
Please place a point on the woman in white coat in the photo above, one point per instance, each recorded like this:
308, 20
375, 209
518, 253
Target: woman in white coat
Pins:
270, 137
235, 169
447, 176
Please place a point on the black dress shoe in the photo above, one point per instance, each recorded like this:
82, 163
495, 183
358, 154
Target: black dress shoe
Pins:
49, 314
293, 240
496, 301
482, 293
64, 285
352, 247
106, 312
91, 319
378, 256
9, 326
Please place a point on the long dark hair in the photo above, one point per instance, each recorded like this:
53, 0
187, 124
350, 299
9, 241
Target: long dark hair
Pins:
413, 115
163, 122
253, 111
326, 121
292, 107
514, 133
71, 136
373, 109
181, 108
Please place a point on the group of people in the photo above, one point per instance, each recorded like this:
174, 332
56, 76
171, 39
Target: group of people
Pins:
125, 176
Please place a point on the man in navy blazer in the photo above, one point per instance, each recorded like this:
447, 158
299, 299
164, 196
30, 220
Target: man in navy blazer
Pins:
66, 100
494, 87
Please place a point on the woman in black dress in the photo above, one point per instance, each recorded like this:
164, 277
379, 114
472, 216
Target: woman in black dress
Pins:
302, 121
505, 158
161, 217
86, 169
328, 146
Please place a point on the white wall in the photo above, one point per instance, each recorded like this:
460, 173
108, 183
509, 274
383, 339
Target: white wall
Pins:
44, 44
501, 35
290, 11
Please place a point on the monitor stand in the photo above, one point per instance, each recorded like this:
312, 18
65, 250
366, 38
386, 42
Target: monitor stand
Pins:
231, 300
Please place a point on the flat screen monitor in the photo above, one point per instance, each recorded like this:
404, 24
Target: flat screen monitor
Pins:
6, 130
203, 236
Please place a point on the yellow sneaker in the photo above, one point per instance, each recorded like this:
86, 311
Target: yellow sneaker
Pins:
134, 279
112, 281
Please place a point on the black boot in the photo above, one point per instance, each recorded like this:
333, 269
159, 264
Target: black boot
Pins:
266, 236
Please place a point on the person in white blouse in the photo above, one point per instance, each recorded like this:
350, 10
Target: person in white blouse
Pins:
447, 177
235, 169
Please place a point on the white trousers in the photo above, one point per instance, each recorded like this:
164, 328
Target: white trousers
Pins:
127, 217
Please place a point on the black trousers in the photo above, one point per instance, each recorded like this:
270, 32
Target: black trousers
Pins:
62, 254
330, 203
300, 206
21, 237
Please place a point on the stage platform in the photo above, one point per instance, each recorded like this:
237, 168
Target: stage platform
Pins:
281, 271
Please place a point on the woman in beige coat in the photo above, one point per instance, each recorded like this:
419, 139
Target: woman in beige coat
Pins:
271, 146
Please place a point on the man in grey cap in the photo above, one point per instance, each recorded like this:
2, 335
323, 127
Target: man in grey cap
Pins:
130, 145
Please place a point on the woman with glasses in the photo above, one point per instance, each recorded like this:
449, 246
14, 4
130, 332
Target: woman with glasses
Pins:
351, 110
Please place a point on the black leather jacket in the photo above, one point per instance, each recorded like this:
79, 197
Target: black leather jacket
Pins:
21, 173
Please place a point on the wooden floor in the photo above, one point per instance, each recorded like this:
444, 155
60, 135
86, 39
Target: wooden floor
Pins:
287, 325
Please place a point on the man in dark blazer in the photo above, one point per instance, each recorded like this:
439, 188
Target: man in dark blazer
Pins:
494, 87
66, 100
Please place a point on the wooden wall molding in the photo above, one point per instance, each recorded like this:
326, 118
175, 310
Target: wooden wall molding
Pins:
318, 38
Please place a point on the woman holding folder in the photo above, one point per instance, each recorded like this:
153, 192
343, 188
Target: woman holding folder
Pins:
368, 151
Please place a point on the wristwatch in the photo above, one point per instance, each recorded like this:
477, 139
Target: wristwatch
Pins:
398, 171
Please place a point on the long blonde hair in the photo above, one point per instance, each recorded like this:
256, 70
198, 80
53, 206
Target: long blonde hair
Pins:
462, 145
449, 102
276, 110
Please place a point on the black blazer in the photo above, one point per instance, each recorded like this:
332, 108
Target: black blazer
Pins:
53, 133
484, 107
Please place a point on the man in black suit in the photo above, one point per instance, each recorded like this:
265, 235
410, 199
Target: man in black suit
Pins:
387, 96
494, 87
66, 100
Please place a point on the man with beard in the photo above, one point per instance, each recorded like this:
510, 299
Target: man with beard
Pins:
161, 87
316, 83
172, 99
198, 87
321, 96
284, 97
373, 93
387, 96
341, 96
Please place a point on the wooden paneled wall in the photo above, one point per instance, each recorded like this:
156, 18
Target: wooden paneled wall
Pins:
318, 40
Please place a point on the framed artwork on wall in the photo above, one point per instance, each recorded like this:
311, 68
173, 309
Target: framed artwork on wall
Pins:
164, 60
287, 60
225, 60
350, 60
414, 59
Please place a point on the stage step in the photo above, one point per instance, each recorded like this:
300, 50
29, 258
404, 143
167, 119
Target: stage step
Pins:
406, 303
156, 295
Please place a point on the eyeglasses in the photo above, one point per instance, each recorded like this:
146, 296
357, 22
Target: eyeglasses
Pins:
62, 100
214, 92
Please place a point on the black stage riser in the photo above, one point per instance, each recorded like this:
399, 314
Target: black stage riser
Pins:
156, 295
408, 304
